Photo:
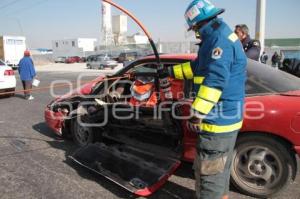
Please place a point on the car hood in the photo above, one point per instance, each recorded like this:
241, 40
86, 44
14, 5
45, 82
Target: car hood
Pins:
292, 93
86, 89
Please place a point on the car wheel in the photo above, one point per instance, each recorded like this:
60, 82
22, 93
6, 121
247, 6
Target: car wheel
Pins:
81, 134
12, 94
262, 166
101, 67
89, 66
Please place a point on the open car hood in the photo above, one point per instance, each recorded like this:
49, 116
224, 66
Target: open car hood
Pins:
138, 171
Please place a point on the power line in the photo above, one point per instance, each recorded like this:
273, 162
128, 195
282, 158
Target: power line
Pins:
26, 8
9, 4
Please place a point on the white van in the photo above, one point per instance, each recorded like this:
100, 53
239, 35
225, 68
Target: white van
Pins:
12, 49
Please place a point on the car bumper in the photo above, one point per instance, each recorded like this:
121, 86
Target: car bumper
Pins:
297, 149
8, 83
54, 121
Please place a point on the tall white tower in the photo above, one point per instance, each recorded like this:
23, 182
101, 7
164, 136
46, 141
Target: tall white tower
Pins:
107, 35
119, 27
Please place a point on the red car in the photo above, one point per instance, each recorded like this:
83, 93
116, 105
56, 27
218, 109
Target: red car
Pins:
140, 153
74, 59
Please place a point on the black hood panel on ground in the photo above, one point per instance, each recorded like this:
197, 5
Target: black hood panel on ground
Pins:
137, 171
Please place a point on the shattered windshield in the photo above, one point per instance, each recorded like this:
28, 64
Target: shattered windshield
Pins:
263, 79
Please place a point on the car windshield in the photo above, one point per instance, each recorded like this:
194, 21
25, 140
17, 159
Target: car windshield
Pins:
263, 79
2, 63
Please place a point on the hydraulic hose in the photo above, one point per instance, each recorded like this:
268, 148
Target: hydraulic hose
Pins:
164, 83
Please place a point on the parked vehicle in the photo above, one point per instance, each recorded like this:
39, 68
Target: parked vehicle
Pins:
292, 66
12, 49
128, 56
90, 58
60, 60
74, 59
100, 62
7, 79
140, 153
83, 59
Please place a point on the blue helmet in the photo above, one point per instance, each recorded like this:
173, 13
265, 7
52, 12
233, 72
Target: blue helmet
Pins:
200, 10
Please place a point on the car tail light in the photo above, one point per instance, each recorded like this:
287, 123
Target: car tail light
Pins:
9, 73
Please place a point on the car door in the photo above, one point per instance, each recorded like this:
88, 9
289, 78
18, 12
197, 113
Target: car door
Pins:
133, 152
95, 62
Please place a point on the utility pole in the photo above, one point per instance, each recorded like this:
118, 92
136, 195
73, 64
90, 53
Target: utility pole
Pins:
261, 22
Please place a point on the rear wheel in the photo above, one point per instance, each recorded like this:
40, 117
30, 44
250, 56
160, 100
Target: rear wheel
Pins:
12, 94
262, 166
8, 95
82, 135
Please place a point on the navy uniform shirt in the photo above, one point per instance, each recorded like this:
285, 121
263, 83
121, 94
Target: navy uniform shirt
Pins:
252, 48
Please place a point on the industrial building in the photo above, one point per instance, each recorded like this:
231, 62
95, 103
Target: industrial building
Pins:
115, 30
81, 47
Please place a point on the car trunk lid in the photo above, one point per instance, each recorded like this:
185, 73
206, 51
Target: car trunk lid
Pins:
138, 171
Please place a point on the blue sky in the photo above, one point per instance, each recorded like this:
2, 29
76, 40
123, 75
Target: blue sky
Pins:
44, 20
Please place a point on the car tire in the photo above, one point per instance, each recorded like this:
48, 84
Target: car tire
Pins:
101, 67
262, 166
89, 66
12, 94
81, 135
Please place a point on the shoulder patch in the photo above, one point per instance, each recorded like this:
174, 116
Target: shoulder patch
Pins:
217, 53
233, 37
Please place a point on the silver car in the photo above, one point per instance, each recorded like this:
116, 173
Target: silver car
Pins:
101, 61
60, 60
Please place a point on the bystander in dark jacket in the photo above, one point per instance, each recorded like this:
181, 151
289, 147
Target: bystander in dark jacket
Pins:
251, 47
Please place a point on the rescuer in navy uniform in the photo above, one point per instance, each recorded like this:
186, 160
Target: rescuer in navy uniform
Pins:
251, 47
219, 75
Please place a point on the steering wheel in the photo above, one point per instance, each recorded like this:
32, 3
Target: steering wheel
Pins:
112, 97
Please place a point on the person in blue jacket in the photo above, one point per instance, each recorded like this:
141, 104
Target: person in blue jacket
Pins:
219, 75
27, 74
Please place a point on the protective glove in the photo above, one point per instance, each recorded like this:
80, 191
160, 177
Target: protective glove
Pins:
193, 124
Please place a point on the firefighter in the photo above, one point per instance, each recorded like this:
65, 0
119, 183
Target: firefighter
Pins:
251, 47
219, 75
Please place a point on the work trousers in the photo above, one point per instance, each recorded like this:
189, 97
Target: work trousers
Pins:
27, 85
213, 163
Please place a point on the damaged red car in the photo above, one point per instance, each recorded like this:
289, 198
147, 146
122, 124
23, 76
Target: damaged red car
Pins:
140, 152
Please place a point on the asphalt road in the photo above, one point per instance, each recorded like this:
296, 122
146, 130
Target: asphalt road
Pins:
35, 164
